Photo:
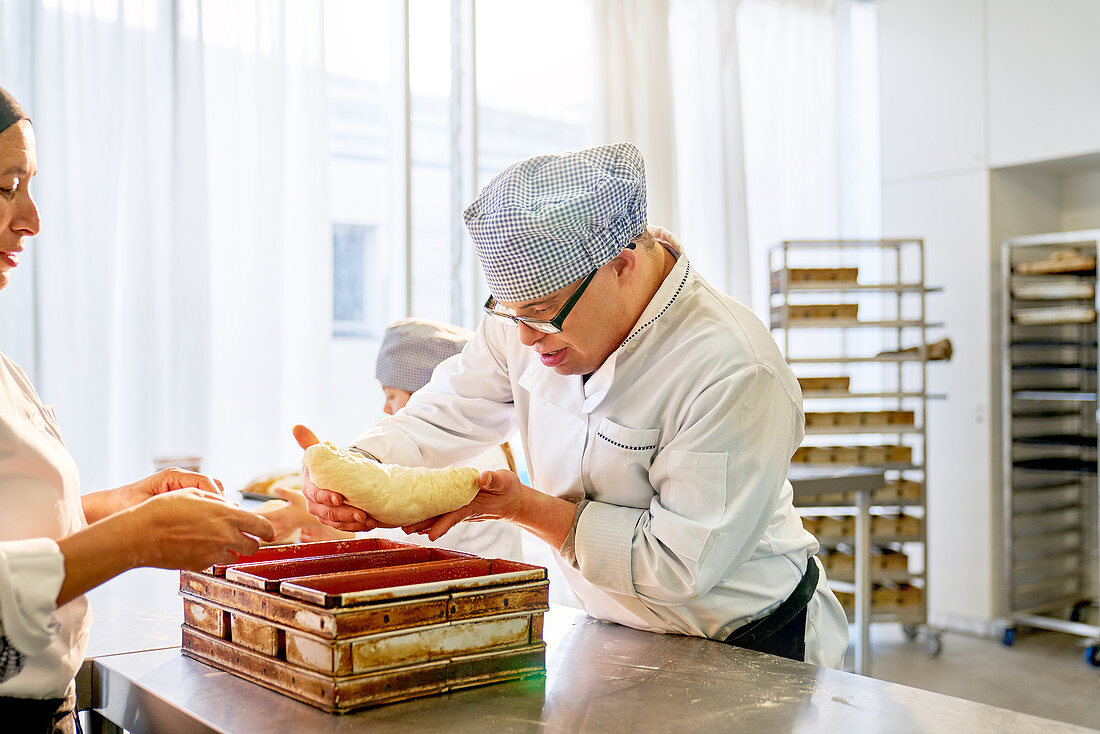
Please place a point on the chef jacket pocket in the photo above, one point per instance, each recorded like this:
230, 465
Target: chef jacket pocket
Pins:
618, 464
697, 486
695, 498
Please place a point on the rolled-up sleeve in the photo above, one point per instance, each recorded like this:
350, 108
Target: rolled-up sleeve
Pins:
716, 484
31, 574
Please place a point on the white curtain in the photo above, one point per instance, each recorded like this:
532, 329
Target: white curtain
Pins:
792, 143
773, 127
635, 92
182, 268
710, 145
270, 234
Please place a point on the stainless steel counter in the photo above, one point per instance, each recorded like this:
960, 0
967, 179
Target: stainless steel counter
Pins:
600, 678
139, 610
811, 479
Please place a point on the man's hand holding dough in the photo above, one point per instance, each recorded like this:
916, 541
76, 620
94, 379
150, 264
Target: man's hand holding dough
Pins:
327, 506
386, 495
500, 496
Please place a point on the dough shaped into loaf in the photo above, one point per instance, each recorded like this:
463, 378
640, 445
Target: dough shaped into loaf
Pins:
392, 494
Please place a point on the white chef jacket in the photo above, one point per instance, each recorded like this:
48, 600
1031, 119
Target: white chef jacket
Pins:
40, 501
681, 440
488, 539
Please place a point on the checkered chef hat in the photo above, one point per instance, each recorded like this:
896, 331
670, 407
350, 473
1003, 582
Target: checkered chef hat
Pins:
550, 220
412, 348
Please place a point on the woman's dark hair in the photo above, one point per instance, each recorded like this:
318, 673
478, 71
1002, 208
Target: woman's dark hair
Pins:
10, 111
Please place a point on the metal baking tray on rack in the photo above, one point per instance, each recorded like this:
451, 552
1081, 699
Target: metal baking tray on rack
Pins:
1058, 439
1057, 463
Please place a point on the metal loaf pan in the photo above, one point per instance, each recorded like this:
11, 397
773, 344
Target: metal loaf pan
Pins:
267, 575
310, 550
434, 577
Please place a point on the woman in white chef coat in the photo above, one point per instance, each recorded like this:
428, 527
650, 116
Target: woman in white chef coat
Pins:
657, 415
56, 544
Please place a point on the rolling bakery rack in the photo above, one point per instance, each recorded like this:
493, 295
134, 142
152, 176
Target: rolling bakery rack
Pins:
1050, 525
850, 316
352, 623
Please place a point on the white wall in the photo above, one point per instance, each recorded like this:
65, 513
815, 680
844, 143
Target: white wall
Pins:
948, 211
354, 396
1023, 201
353, 399
1080, 199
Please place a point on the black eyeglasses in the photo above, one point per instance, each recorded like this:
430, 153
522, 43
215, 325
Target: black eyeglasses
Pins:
547, 326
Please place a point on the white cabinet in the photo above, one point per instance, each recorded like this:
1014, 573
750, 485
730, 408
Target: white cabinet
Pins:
932, 75
1044, 79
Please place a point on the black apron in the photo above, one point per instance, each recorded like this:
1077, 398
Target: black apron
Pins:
783, 632
40, 715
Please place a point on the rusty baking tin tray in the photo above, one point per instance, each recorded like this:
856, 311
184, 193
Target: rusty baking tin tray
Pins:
341, 695
347, 624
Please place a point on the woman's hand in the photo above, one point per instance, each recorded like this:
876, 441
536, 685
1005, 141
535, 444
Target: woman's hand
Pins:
98, 505
190, 529
323, 532
296, 515
330, 508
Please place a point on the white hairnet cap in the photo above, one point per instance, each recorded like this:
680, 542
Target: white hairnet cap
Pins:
412, 348
547, 221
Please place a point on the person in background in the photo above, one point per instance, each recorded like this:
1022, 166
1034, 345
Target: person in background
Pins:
411, 350
56, 544
657, 415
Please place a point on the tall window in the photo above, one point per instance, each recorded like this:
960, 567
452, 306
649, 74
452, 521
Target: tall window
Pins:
361, 155
357, 298
428, 100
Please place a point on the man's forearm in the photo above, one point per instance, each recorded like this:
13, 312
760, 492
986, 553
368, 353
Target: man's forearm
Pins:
549, 518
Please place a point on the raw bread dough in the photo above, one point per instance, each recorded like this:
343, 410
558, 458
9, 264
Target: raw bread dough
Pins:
392, 494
